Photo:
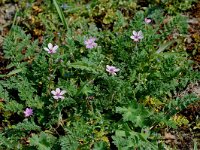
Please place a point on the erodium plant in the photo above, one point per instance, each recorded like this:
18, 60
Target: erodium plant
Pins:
97, 92
51, 49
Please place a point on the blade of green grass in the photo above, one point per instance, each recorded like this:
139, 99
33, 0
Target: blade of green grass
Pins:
60, 13
15, 18
165, 46
195, 145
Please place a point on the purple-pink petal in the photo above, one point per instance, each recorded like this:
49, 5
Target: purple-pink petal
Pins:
147, 20
116, 70
132, 37
50, 46
55, 48
57, 90
53, 92
140, 34
135, 33
62, 92
62, 97
46, 49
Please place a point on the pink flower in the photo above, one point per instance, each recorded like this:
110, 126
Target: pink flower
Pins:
51, 49
111, 69
147, 21
90, 43
58, 93
28, 112
137, 36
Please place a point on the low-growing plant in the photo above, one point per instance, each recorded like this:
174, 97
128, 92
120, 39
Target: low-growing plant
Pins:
93, 89
173, 6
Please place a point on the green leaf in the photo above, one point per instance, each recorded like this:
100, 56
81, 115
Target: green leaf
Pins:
13, 106
120, 133
14, 72
85, 66
26, 126
43, 141
100, 146
134, 114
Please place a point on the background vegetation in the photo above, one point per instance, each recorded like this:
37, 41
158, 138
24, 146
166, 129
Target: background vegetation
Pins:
129, 110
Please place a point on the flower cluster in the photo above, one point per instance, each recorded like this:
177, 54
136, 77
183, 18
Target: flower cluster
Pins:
111, 69
58, 94
28, 112
137, 36
90, 43
51, 49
